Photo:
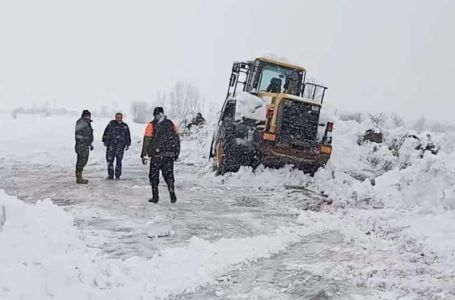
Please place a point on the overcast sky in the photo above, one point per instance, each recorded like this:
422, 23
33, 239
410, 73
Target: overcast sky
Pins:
373, 55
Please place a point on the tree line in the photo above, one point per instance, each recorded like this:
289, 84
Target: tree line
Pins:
182, 101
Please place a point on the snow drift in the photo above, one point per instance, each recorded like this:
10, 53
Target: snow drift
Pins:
395, 173
394, 191
43, 256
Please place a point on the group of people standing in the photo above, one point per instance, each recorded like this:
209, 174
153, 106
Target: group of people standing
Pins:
161, 145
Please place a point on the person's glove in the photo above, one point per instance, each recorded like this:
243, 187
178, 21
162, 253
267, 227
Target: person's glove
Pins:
176, 156
126, 148
91, 147
144, 160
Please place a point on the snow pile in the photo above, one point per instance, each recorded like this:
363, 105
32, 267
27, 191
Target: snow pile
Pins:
396, 173
42, 256
250, 106
196, 146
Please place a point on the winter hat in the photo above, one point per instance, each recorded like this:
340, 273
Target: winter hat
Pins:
86, 113
158, 110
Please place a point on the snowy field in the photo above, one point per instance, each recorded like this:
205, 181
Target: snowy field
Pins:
377, 223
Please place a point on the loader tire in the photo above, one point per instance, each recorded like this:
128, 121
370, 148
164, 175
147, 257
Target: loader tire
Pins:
227, 155
225, 160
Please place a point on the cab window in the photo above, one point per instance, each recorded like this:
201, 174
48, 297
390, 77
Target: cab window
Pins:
276, 79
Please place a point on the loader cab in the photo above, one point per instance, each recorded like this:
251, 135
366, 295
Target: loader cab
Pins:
264, 75
269, 76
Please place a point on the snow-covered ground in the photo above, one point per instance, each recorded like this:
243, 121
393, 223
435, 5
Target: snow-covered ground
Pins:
389, 232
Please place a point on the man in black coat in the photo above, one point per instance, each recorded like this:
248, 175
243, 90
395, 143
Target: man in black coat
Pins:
162, 145
84, 140
117, 139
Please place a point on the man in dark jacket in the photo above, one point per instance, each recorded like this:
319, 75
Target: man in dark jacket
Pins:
117, 139
84, 140
162, 145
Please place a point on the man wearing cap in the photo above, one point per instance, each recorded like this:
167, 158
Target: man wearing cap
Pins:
162, 146
84, 140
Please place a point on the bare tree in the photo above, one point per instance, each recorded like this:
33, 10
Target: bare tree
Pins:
177, 100
193, 101
378, 119
184, 100
160, 99
397, 120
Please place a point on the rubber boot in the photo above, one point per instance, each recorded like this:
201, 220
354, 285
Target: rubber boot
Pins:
172, 193
79, 179
155, 196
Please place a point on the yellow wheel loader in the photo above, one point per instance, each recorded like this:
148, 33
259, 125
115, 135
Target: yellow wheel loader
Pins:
271, 117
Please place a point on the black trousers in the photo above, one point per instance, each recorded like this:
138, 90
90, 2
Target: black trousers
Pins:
82, 152
114, 152
166, 166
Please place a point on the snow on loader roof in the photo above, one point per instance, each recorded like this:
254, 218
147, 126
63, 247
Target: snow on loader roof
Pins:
274, 59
